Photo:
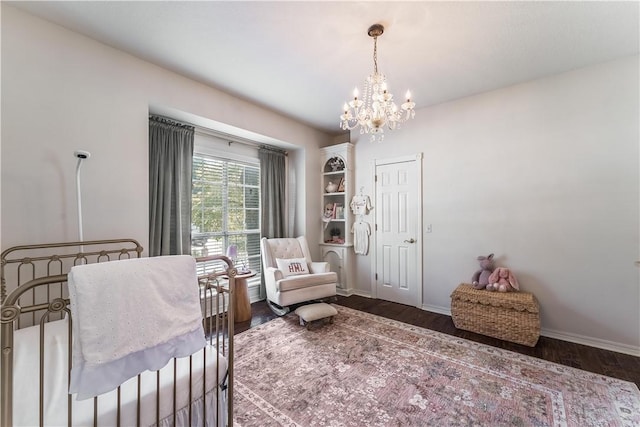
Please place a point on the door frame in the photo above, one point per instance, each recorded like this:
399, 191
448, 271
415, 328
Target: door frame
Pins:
418, 292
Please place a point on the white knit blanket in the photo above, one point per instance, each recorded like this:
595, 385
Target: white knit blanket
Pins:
130, 316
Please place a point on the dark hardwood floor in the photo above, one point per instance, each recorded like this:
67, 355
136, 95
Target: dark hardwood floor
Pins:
579, 356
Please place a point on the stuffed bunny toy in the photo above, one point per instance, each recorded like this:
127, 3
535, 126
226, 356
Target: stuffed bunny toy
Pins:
480, 278
502, 280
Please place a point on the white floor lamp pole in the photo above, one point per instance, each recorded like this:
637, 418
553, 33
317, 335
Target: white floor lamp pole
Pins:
80, 155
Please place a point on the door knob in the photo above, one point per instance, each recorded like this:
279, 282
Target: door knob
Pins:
411, 240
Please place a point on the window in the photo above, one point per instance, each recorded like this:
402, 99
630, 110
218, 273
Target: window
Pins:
226, 209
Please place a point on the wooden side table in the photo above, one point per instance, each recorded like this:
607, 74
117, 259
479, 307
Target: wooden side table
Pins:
242, 305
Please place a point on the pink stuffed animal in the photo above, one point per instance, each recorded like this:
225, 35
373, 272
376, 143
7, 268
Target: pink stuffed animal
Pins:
502, 280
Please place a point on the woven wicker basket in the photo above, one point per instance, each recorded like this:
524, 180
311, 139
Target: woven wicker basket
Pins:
509, 316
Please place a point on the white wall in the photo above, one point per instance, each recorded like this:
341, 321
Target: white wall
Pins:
62, 91
545, 175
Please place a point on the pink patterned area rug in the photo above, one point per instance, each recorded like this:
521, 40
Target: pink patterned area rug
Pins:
365, 370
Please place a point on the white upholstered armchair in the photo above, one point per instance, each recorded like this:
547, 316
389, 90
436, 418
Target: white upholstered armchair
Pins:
290, 276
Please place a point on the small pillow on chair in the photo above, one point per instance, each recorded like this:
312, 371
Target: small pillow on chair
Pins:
292, 266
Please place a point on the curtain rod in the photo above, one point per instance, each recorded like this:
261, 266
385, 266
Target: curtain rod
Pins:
230, 138
170, 121
275, 149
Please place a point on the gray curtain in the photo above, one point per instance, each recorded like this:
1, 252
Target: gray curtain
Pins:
170, 164
273, 176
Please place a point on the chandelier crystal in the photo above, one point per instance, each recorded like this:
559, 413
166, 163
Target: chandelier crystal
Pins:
376, 109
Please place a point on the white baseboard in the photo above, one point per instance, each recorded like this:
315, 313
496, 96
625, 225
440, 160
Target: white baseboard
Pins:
362, 293
437, 309
592, 342
563, 336
349, 292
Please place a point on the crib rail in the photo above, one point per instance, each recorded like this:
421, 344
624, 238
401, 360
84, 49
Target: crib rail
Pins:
216, 276
209, 278
20, 264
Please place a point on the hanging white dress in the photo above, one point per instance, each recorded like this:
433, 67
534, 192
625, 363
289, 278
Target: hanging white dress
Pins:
361, 205
361, 232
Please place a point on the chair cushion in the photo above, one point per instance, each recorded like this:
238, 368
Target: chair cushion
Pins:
306, 280
292, 266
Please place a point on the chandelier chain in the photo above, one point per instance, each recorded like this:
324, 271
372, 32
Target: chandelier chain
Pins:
375, 55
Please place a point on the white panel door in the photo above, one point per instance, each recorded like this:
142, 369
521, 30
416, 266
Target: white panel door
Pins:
398, 234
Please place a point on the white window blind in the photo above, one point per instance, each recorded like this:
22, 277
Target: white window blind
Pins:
226, 209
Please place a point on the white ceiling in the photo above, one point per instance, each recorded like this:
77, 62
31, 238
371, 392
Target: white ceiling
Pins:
303, 59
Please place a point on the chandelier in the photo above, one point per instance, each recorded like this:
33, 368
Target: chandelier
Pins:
376, 109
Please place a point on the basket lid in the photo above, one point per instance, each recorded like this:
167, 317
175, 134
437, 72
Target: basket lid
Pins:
520, 301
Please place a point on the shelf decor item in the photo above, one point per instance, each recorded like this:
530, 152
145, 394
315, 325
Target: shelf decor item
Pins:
336, 163
331, 187
335, 234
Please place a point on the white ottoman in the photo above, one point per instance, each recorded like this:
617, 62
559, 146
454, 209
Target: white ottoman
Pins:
312, 312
